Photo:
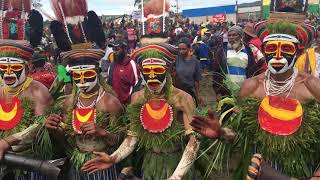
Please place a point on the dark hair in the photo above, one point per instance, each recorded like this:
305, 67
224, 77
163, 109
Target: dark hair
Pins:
185, 41
40, 63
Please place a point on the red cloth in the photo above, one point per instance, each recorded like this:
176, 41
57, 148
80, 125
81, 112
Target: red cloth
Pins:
258, 43
124, 79
44, 77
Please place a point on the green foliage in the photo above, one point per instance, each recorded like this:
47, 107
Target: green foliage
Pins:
282, 28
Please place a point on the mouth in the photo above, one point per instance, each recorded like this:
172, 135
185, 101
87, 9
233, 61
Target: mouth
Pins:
277, 65
9, 80
153, 85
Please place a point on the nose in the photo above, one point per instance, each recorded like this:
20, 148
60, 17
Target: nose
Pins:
82, 79
278, 55
9, 70
152, 75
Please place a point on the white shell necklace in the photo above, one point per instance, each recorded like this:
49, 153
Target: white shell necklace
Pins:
275, 88
93, 104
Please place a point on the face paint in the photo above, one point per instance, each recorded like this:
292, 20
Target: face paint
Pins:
12, 71
280, 55
155, 77
85, 80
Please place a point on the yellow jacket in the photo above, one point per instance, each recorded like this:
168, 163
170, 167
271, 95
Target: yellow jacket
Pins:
307, 62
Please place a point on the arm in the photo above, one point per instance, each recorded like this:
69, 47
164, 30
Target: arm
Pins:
188, 157
190, 152
125, 149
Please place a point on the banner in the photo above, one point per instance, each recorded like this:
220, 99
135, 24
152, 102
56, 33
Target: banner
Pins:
136, 14
219, 18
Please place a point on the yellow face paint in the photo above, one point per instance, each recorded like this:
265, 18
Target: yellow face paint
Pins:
153, 70
280, 47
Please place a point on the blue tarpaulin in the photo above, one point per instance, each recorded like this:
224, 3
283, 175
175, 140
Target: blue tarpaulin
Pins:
230, 9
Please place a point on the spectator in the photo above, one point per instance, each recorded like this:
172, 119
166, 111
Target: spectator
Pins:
225, 39
240, 63
251, 40
40, 73
131, 37
188, 70
123, 73
202, 53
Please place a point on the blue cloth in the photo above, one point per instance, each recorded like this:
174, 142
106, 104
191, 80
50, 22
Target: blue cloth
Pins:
203, 51
236, 70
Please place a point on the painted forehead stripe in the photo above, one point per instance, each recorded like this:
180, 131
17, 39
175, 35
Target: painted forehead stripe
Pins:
153, 61
11, 60
284, 37
80, 67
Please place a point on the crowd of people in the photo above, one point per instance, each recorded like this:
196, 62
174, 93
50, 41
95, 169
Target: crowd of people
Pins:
117, 101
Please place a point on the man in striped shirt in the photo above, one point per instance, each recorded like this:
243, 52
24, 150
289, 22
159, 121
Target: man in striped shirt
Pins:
240, 63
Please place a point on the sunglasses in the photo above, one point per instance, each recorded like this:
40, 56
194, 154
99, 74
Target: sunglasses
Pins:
86, 74
12, 67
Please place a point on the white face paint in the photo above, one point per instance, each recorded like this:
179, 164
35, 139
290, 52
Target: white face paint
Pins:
12, 71
87, 86
85, 77
14, 81
158, 91
283, 61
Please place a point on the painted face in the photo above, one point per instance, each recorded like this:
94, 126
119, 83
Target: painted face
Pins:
12, 71
280, 55
85, 77
155, 77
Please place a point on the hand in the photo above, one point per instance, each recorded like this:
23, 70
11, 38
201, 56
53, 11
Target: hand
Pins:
53, 121
4, 146
174, 178
207, 127
89, 128
102, 161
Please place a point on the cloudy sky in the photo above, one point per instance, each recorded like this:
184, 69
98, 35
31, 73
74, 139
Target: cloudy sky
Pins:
118, 7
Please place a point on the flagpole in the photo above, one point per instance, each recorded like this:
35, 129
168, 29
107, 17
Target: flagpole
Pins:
236, 11
163, 16
142, 17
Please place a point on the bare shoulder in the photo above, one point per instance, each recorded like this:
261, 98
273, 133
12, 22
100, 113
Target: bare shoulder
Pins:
137, 95
313, 85
110, 103
250, 85
39, 92
178, 93
182, 100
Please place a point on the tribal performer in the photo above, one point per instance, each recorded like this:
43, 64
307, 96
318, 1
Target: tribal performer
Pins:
160, 117
89, 120
159, 114
278, 117
23, 101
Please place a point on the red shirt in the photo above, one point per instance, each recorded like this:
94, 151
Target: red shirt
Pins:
44, 77
125, 77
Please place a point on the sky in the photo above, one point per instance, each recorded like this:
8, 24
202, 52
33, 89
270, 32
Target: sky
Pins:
119, 7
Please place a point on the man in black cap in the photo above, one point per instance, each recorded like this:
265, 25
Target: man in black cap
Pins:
123, 73
41, 74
